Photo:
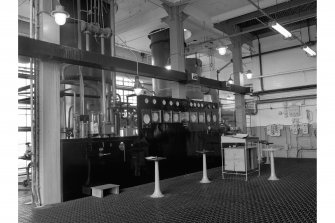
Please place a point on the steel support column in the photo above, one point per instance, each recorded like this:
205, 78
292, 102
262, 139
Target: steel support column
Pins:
239, 98
177, 56
49, 107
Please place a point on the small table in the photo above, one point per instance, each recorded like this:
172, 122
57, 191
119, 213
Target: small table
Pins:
273, 172
157, 192
204, 166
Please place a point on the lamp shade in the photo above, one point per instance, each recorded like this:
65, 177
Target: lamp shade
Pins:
138, 88
222, 50
60, 15
230, 80
248, 74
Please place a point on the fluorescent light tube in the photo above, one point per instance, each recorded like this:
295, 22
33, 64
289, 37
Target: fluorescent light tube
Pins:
281, 29
310, 52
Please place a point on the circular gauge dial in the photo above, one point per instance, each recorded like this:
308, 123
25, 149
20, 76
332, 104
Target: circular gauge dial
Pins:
154, 101
213, 106
202, 105
193, 118
146, 119
155, 117
208, 106
146, 100
177, 103
164, 102
208, 117
170, 103
191, 104
166, 117
198, 105
175, 117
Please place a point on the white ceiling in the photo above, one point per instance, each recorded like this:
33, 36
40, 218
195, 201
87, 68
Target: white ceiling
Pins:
136, 18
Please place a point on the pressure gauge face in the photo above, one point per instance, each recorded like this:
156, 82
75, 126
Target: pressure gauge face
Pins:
213, 106
170, 103
154, 101
202, 105
166, 117
201, 118
191, 104
193, 118
208, 106
198, 105
214, 118
146, 100
208, 117
146, 119
164, 102
177, 103
175, 117
155, 117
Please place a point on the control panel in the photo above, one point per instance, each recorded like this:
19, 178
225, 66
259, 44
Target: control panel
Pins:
198, 115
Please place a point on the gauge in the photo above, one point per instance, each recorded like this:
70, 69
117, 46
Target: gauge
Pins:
191, 104
175, 117
198, 105
164, 102
214, 118
213, 106
155, 117
177, 103
166, 117
171, 103
202, 105
208, 106
146, 119
208, 117
146, 100
193, 118
201, 118
154, 101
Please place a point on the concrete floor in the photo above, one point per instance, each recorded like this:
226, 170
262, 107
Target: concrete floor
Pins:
291, 199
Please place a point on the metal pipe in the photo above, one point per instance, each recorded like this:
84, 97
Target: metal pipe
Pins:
103, 82
79, 21
38, 201
68, 126
294, 98
260, 64
112, 12
82, 91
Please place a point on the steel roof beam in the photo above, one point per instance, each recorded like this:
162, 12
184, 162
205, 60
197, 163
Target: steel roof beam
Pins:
269, 10
64, 54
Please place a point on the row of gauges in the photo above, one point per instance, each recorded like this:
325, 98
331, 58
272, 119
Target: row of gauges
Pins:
164, 102
158, 116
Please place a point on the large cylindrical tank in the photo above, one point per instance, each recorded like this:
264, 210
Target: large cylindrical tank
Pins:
160, 50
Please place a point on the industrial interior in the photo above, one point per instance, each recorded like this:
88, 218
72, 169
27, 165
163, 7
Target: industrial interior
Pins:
167, 110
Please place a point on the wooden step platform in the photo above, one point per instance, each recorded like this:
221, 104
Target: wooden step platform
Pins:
103, 190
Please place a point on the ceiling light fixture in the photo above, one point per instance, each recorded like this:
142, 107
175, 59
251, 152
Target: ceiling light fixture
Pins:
280, 29
230, 80
168, 64
60, 15
222, 50
138, 88
248, 74
309, 51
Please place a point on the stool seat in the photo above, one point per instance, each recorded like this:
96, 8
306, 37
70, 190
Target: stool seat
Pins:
271, 149
204, 151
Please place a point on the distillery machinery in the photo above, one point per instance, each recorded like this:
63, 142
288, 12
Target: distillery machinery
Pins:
104, 139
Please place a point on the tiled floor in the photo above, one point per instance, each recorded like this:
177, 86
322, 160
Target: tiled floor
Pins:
291, 199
